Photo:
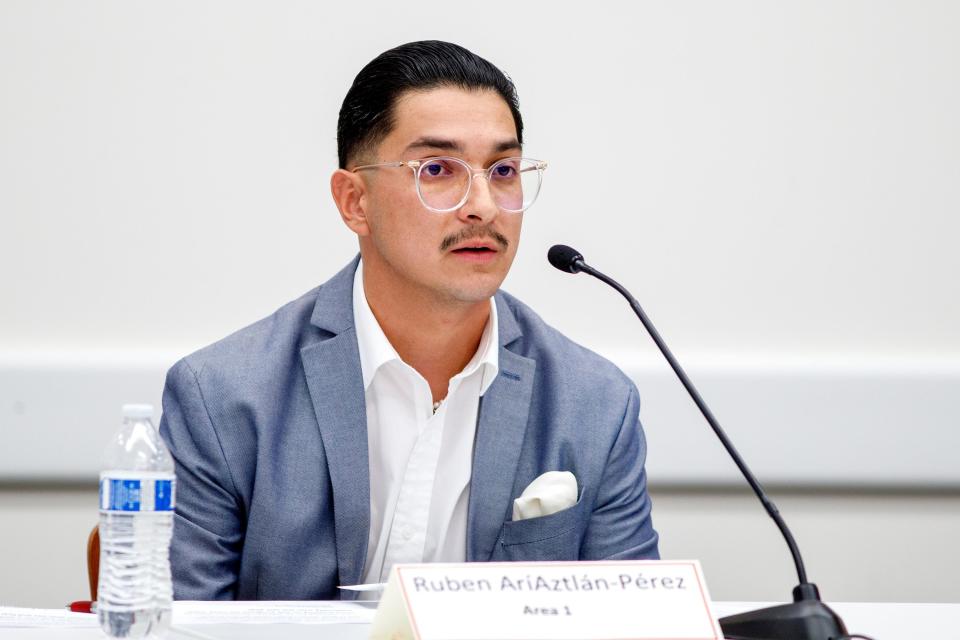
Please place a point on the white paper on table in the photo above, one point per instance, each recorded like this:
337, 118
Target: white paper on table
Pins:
373, 586
187, 612
22, 617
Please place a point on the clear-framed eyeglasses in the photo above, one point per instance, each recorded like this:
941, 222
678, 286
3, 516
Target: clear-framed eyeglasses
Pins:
443, 183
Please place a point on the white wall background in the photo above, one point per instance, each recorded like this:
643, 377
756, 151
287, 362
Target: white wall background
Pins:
779, 183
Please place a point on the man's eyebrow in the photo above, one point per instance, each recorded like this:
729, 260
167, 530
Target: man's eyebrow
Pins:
434, 143
508, 145
452, 145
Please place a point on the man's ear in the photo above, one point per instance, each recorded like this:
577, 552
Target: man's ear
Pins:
350, 193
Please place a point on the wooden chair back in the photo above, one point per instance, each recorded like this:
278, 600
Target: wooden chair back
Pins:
93, 561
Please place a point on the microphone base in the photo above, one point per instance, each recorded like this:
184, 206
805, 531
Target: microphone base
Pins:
805, 619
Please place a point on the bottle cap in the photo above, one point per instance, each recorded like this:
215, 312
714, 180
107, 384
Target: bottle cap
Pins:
138, 411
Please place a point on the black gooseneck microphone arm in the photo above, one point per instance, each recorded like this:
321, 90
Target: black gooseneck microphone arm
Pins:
807, 618
705, 410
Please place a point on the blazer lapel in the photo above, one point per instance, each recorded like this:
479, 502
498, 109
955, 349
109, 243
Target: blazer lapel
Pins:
501, 425
332, 368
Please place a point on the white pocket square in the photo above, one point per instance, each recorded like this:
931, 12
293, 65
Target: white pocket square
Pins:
551, 492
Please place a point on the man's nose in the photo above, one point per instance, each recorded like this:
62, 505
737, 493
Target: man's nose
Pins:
480, 205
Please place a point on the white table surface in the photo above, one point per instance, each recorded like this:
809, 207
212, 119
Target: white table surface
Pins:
879, 620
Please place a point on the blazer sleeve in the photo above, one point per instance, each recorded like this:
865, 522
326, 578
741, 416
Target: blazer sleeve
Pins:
208, 525
621, 527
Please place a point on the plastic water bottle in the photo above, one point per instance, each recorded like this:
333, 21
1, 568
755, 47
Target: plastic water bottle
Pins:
135, 593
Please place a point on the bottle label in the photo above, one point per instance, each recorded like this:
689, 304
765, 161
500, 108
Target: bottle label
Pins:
136, 493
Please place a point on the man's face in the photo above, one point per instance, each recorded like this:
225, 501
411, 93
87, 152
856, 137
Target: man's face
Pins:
457, 256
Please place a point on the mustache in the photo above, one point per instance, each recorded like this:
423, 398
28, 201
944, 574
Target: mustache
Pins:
474, 232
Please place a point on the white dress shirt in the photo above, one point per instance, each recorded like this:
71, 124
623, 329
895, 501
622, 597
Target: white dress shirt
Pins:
420, 460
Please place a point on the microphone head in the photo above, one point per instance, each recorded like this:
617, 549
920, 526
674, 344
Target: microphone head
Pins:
565, 258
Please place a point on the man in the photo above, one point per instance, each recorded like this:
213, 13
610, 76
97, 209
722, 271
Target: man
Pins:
396, 412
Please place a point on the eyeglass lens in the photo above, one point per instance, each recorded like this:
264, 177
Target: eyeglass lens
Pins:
514, 183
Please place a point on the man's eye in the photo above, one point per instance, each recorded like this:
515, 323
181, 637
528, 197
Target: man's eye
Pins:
505, 171
436, 169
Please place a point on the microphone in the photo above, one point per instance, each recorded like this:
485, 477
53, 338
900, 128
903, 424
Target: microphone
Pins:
565, 258
807, 617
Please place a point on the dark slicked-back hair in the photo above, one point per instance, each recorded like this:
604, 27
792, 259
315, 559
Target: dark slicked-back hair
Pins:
367, 113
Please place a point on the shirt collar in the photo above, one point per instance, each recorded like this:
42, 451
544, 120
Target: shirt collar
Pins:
376, 350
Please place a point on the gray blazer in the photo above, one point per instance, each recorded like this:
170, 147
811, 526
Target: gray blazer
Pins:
268, 430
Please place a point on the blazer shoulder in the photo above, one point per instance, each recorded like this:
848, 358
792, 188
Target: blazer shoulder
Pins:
559, 355
259, 346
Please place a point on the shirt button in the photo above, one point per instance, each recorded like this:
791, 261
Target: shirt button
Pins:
406, 534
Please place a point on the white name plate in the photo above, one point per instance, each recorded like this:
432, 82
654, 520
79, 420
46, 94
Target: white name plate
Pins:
637, 600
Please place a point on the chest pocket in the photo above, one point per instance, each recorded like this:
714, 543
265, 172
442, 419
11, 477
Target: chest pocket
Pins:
553, 537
